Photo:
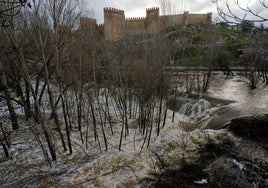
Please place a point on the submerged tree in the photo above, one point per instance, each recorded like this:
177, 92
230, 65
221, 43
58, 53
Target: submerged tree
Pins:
251, 17
8, 11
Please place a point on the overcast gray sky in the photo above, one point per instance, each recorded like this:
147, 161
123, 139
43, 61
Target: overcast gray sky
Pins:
137, 8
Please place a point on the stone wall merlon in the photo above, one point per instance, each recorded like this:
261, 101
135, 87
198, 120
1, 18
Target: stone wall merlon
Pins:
110, 9
88, 19
135, 18
116, 24
152, 9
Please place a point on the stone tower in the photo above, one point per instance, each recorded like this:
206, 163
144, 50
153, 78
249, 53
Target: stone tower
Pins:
116, 26
114, 21
209, 18
152, 17
88, 24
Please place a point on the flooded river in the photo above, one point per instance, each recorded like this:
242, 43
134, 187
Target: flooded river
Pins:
247, 102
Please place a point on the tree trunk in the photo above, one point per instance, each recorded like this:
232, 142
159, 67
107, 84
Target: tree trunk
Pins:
5, 150
67, 127
159, 115
12, 113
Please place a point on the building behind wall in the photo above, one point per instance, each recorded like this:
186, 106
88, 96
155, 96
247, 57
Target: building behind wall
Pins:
116, 25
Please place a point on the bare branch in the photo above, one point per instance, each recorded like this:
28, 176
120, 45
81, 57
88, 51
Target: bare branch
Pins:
231, 13
12, 8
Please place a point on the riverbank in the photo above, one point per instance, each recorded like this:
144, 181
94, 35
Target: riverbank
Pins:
231, 162
255, 127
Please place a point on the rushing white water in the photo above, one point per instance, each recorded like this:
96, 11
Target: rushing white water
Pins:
88, 167
195, 109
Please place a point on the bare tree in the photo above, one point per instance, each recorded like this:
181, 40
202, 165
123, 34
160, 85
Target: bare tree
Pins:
236, 11
12, 7
251, 60
172, 6
8, 9
64, 15
13, 116
251, 16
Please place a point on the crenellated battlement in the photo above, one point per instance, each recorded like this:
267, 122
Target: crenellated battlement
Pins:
152, 13
89, 24
136, 19
116, 25
113, 10
152, 9
100, 25
88, 21
100, 30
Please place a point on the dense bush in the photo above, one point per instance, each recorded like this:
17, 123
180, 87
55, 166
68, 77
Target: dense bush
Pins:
251, 127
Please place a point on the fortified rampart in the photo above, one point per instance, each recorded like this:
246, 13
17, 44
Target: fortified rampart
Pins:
114, 21
116, 26
90, 26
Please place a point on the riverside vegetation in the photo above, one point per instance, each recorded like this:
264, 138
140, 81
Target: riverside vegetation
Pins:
78, 111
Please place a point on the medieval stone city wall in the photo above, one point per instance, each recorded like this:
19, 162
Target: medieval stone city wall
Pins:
116, 26
199, 18
88, 24
100, 30
172, 20
114, 21
135, 26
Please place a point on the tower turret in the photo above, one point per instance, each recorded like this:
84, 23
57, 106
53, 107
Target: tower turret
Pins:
152, 13
152, 17
114, 21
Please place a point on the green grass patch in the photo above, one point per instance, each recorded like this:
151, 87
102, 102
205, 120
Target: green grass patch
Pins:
195, 61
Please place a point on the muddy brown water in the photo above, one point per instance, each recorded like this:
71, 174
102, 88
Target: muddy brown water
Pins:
247, 102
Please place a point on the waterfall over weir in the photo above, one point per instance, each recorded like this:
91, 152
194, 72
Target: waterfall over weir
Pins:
194, 109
